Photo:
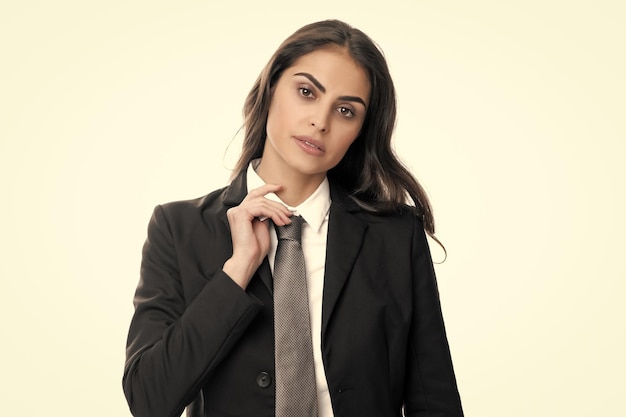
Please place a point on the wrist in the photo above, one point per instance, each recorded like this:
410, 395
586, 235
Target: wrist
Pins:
239, 271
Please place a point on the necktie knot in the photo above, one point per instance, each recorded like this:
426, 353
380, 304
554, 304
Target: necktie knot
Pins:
291, 231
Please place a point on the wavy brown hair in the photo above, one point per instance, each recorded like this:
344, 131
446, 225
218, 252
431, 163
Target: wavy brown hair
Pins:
370, 171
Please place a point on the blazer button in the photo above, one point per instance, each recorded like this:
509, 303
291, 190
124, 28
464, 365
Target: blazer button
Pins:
263, 380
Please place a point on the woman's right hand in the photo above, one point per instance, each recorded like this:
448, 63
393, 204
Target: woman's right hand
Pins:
250, 232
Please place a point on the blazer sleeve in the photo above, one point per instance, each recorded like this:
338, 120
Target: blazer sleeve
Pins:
431, 389
173, 347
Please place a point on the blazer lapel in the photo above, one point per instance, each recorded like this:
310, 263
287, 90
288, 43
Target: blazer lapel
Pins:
345, 237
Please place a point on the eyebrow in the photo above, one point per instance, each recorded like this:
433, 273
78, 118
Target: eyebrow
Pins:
323, 89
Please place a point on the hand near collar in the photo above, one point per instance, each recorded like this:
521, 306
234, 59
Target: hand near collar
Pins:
250, 234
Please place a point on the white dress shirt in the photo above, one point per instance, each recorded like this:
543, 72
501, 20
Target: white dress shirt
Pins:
314, 210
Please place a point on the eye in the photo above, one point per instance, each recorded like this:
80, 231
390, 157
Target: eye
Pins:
346, 112
305, 92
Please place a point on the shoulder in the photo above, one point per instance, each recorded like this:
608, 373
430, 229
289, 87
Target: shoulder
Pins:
191, 213
214, 199
396, 215
400, 225
401, 230
402, 215
215, 202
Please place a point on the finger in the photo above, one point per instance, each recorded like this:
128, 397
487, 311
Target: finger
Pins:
261, 209
278, 213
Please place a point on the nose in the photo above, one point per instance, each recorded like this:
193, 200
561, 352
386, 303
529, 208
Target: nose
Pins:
317, 126
319, 120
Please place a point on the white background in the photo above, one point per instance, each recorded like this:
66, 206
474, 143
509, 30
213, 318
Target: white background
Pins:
511, 113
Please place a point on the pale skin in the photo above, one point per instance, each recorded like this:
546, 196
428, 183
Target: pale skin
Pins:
317, 110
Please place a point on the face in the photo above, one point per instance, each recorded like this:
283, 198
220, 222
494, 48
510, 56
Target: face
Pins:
317, 109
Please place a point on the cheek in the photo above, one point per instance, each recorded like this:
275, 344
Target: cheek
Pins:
274, 118
280, 112
344, 143
349, 135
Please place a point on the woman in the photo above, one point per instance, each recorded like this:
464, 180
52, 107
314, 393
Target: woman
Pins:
318, 125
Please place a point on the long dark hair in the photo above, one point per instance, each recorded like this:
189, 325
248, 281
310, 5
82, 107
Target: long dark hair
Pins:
370, 170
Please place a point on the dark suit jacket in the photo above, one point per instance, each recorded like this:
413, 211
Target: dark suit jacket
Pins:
197, 340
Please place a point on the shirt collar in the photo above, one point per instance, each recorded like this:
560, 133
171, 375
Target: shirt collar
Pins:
313, 210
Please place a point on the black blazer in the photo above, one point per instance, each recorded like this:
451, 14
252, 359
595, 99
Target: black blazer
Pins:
197, 340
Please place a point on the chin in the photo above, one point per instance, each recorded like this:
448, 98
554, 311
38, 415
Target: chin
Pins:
309, 169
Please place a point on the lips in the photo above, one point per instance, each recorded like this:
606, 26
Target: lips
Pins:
310, 142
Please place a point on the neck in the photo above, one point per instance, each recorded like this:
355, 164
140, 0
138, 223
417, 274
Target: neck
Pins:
296, 186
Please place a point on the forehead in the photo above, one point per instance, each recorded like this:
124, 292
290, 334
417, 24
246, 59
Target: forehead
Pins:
336, 70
